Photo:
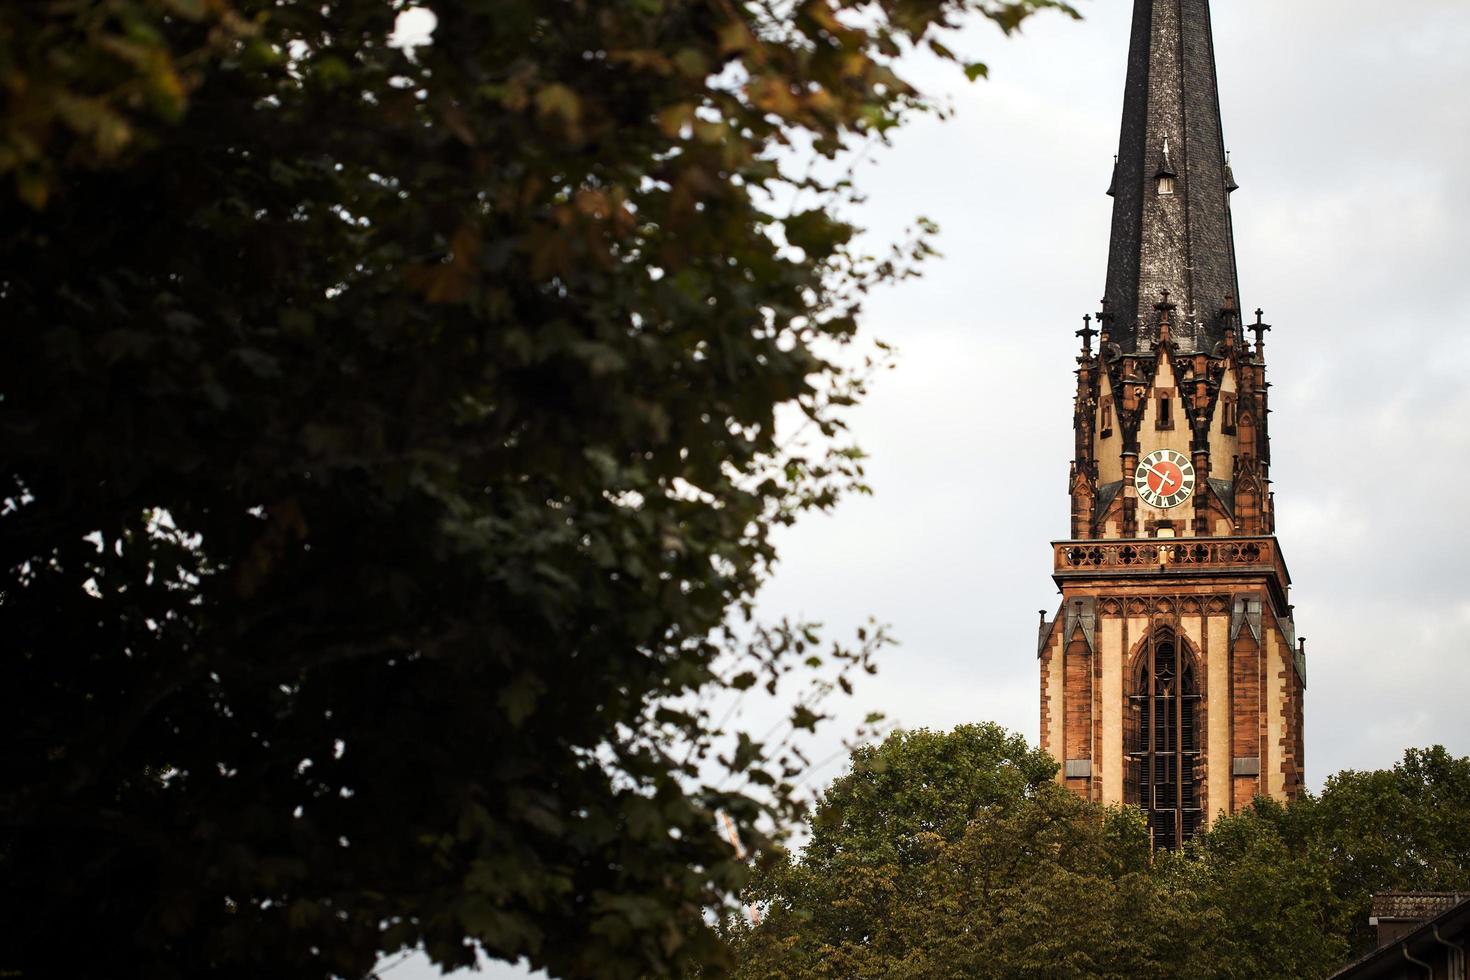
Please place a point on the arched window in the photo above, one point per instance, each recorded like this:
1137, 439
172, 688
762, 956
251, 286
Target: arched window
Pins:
1163, 740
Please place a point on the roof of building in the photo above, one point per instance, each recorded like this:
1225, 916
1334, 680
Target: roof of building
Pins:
1424, 944
1415, 906
1182, 243
1105, 495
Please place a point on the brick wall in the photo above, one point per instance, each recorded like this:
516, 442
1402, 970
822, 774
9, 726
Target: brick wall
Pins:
1245, 685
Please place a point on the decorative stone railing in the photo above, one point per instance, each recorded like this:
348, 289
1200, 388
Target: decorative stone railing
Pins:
1182, 556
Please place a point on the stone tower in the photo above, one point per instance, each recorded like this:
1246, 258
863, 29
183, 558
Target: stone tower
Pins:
1171, 677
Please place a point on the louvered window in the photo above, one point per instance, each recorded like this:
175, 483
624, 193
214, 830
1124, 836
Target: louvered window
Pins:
1163, 741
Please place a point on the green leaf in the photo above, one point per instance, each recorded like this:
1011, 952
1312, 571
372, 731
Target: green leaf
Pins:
559, 101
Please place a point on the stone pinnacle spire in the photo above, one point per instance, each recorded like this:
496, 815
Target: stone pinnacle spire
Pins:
1172, 184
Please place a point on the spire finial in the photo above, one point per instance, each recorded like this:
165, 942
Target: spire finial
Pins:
1260, 328
1087, 333
1165, 308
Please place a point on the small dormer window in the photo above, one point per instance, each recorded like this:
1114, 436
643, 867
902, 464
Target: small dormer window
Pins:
1227, 416
1105, 424
1166, 412
1166, 175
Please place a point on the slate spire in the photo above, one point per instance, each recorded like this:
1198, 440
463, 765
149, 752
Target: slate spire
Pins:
1172, 183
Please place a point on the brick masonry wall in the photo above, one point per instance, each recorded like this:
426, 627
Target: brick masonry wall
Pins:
1078, 689
1245, 684
1046, 707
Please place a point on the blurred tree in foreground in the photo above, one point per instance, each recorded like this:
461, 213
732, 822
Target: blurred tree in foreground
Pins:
388, 446
956, 855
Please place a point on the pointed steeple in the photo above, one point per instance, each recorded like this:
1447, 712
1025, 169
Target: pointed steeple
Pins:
1172, 181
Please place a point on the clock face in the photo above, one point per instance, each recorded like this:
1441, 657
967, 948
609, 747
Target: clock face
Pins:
1164, 479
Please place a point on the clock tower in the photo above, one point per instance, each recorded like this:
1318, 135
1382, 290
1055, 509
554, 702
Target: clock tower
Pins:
1172, 677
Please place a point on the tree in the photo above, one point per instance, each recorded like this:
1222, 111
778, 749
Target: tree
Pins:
1400, 829
390, 455
957, 855
1250, 906
1286, 890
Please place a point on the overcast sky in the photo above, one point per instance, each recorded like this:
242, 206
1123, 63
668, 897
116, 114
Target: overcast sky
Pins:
1349, 122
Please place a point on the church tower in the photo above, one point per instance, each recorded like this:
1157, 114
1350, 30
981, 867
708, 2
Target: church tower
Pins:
1171, 677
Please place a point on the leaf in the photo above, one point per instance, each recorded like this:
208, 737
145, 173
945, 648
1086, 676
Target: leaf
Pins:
458, 123
601, 359
673, 119
735, 36
453, 279
33, 188
816, 232
709, 133
258, 362
331, 71
804, 719
558, 101
190, 9
691, 62
520, 698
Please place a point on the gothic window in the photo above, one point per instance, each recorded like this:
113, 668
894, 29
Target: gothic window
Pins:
1227, 417
1166, 412
1105, 427
1163, 740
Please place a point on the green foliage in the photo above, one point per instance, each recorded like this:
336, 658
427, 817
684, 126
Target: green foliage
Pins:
1253, 907
955, 855
1400, 829
915, 786
82, 79
389, 449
